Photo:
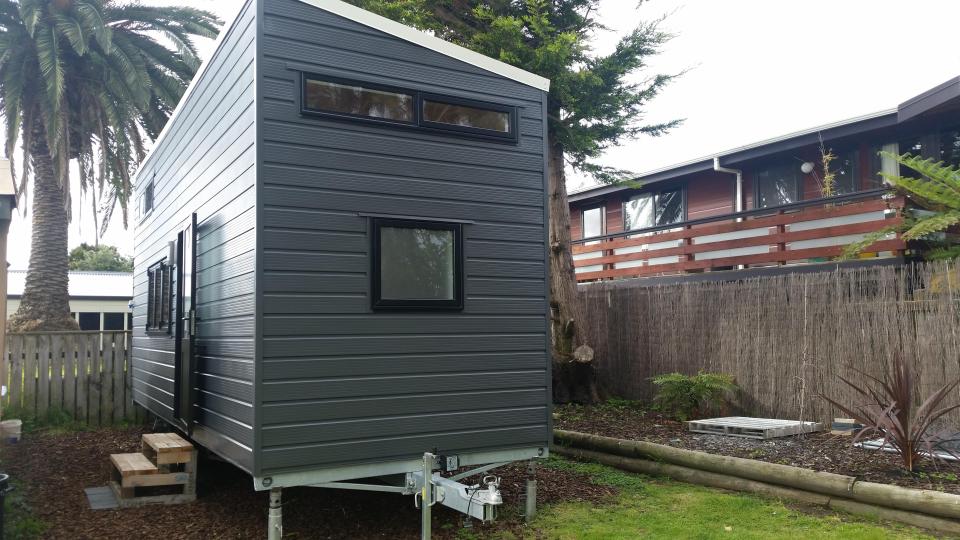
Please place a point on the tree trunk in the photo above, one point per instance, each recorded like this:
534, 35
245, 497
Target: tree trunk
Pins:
45, 304
574, 378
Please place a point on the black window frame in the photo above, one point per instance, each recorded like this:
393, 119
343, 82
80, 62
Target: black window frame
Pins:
511, 111
418, 123
656, 195
377, 303
148, 199
160, 320
797, 182
307, 111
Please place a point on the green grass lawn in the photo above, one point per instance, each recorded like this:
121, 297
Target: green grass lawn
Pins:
657, 508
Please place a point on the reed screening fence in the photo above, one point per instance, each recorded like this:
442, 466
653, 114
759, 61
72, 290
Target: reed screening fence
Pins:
85, 375
785, 338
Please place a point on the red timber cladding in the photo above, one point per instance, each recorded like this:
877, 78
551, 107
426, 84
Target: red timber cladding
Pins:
576, 216
614, 223
710, 194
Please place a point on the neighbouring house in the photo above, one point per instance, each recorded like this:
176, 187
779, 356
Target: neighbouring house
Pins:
761, 205
98, 300
340, 258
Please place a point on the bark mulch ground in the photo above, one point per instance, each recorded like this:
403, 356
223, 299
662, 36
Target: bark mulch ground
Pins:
818, 451
52, 469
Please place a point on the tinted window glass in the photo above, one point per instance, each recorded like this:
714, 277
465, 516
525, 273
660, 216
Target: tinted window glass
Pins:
113, 321
416, 264
89, 320
846, 172
464, 116
638, 212
669, 207
326, 96
950, 147
777, 186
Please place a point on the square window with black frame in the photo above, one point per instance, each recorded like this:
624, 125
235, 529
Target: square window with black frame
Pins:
417, 265
159, 297
89, 320
113, 321
777, 186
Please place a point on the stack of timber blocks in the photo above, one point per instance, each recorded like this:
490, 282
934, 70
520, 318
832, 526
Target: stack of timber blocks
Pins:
163, 472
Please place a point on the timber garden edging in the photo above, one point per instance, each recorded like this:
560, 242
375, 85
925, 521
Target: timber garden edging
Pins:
922, 508
86, 375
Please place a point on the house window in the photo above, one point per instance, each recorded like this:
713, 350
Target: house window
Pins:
949, 150
846, 172
342, 98
357, 99
89, 320
147, 200
777, 186
653, 209
159, 297
467, 116
113, 321
592, 222
417, 264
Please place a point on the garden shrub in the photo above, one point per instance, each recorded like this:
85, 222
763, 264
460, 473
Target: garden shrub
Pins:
686, 397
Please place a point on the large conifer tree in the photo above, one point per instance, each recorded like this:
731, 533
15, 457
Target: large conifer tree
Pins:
595, 103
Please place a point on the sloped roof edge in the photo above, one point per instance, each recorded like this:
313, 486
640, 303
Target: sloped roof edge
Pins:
406, 33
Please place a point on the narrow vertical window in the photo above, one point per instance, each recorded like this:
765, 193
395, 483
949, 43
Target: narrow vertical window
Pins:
159, 297
147, 203
417, 265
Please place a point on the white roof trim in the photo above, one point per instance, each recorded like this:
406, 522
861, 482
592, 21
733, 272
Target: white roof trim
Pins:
423, 39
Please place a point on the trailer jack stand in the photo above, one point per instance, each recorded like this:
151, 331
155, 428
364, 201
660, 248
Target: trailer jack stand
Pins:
275, 517
530, 506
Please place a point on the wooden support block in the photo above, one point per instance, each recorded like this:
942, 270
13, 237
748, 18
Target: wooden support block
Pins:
168, 479
134, 464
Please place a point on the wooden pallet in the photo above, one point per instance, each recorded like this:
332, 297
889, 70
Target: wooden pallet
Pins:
752, 428
167, 463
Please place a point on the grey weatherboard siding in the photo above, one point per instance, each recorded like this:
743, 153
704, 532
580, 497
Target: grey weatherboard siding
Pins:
298, 373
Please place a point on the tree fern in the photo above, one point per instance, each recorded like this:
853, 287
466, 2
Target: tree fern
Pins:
935, 189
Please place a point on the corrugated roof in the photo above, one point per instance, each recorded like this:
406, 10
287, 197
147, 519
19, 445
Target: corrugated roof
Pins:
82, 284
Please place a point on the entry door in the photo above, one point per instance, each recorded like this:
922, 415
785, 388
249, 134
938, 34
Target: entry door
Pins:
186, 325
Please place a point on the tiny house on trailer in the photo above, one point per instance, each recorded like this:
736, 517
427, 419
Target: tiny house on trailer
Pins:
341, 253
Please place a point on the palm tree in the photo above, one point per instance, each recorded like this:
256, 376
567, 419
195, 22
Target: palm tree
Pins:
86, 81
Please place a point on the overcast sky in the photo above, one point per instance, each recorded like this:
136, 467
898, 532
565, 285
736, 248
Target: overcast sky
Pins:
758, 69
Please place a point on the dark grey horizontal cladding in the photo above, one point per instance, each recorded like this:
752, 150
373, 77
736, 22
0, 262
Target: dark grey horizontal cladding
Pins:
156, 381
228, 307
294, 19
499, 190
240, 207
310, 219
306, 303
505, 268
399, 364
233, 451
507, 232
232, 268
318, 282
398, 385
397, 323
155, 356
235, 368
225, 251
225, 425
413, 343
210, 237
232, 347
164, 343
393, 426
324, 134
162, 367
505, 287
234, 388
375, 163
233, 408
507, 305
313, 240
227, 288
275, 460
365, 407
226, 327
515, 251
310, 260
157, 396
439, 207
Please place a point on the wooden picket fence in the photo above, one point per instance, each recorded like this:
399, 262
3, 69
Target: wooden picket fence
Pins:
86, 375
